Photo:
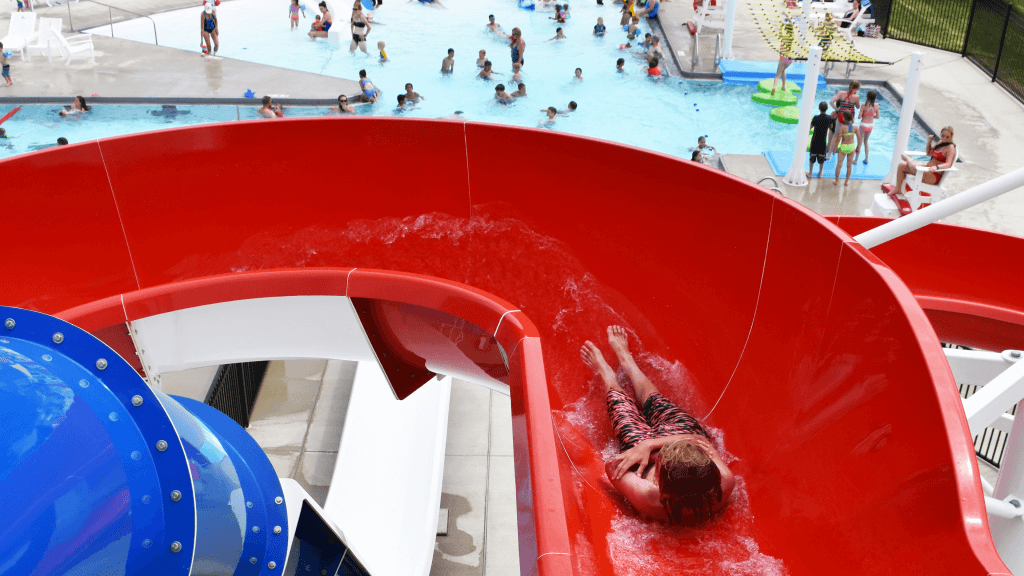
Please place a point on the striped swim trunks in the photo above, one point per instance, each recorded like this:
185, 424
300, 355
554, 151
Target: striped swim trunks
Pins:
658, 418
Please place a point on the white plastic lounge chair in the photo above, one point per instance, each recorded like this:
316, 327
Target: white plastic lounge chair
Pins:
46, 38
919, 195
860, 20
21, 31
80, 45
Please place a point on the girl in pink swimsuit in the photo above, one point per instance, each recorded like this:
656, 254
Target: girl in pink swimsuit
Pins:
868, 113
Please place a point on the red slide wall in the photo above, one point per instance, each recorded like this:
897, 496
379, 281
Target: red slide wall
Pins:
810, 355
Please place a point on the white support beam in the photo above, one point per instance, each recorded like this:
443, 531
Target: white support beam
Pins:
1004, 518
978, 367
988, 403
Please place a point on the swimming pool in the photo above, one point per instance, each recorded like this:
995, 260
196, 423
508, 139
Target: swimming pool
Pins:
666, 116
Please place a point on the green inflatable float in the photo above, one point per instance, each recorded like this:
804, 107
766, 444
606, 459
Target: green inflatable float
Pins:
785, 114
766, 86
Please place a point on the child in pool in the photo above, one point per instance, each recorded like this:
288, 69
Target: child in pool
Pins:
293, 14
619, 64
521, 92
448, 64
482, 59
599, 28
517, 75
411, 95
558, 35
579, 75
487, 71
653, 69
559, 15
316, 26
383, 53
551, 113
501, 96
633, 31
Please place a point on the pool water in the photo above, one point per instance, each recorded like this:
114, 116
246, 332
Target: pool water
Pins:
36, 127
665, 116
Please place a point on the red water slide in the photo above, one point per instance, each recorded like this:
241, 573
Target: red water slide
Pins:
812, 361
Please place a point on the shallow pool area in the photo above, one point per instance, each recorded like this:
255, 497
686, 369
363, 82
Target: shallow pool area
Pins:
665, 115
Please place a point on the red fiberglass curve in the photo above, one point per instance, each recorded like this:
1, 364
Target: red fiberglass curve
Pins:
818, 371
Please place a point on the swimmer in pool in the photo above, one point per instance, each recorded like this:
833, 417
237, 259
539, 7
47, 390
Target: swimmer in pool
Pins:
579, 75
501, 96
668, 467
619, 65
401, 104
482, 59
411, 96
269, 109
571, 108
599, 28
551, 113
521, 92
448, 64
494, 27
517, 74
383, 53
369, 93
487, 72
343, 107
558, 35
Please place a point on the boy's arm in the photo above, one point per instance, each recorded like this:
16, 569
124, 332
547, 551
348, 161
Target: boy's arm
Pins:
643, 495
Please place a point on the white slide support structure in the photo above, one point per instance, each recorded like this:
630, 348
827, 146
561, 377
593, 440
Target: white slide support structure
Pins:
384, 497
796, 175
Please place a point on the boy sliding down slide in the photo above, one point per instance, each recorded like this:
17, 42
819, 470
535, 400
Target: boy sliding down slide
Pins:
668, 468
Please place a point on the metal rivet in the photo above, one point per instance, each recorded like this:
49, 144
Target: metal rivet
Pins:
271, 564
323, 573
255, 529
58, 338
147, 543
277, 529
136, 400
175, 495
1015, 354
253, 560
1015, 503
161, 445
175, 546
101, 364
278, 500
9, 323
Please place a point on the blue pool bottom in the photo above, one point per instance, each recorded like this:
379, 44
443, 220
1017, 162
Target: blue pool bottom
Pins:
878, 169
750, 72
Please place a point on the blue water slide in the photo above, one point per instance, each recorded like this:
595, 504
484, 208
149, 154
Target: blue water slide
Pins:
103, 475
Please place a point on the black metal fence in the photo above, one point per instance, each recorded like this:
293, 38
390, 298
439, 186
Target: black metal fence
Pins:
235, 388
988, 32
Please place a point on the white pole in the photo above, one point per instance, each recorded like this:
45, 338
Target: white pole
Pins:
730, 22
907, 113
940, 210
1008, 533
796, 175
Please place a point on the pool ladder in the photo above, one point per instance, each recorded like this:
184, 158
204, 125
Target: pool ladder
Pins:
695, 51
774, 188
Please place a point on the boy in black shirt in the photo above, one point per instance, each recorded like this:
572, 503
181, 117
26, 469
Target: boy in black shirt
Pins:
819, 138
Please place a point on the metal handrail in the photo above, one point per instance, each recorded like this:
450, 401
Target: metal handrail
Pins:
718, 44
694, 59
110, 14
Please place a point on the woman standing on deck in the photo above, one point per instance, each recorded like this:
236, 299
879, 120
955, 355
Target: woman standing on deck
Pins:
518, 46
